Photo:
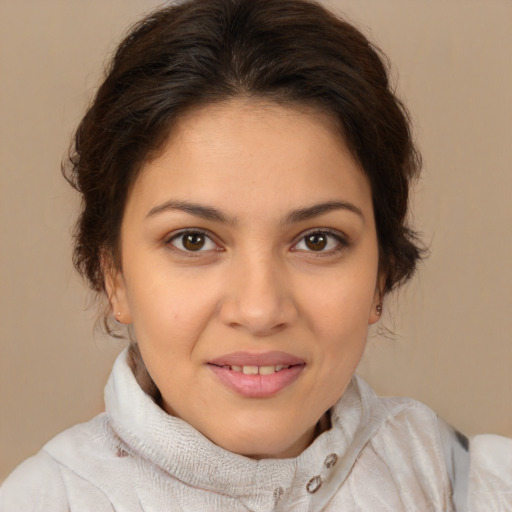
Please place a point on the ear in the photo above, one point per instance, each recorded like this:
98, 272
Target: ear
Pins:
377, 303
115, 287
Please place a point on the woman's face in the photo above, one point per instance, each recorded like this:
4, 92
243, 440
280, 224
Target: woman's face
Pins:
250, 273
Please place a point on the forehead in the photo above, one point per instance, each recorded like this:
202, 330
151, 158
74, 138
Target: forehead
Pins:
253, 155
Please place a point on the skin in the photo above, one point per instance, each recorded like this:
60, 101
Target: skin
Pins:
257, 284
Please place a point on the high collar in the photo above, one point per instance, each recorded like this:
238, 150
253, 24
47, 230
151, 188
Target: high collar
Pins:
185, 454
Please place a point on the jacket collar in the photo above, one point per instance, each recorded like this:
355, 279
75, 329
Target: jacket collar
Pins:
185, 454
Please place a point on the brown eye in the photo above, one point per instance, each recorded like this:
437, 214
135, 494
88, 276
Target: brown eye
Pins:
322, 242
316, 241
193, 241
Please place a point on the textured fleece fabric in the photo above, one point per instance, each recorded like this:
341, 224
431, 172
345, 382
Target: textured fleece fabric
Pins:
381, 455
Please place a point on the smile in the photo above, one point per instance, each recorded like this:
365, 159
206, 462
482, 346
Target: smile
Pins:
255, 370
257, 375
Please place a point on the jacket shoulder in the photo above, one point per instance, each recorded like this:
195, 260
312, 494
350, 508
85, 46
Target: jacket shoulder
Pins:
66, 474
490, 485
35, 485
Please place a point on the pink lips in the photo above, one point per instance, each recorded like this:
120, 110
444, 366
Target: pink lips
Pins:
257, 386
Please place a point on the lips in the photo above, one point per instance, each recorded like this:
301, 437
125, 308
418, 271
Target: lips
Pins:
257, 375
255, 370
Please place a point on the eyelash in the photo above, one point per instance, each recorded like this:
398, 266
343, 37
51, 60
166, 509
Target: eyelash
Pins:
341, 242
180, 236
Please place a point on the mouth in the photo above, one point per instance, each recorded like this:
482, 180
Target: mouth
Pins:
256, 370
257, 375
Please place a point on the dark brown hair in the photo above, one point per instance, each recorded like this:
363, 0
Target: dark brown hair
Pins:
200, 52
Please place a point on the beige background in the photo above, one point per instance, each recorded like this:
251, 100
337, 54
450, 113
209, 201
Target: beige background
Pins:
452, 348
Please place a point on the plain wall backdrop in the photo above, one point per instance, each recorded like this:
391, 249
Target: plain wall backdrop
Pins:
452, 348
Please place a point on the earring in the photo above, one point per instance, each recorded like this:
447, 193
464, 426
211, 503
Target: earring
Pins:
378, 309
118, 316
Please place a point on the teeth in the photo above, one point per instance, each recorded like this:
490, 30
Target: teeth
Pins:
262, 370
250, 370
267, 370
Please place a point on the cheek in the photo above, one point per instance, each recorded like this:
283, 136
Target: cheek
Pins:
338, 315
169, 308
341, 305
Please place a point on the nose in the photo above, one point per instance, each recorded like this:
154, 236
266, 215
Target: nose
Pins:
259, 297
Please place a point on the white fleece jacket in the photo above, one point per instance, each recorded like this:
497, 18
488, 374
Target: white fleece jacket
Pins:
381, 455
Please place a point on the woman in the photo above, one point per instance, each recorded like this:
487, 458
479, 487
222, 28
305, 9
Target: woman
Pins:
244, 171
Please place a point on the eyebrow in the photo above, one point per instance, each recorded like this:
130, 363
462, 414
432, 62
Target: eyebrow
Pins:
213, 214
205, 212
309, 212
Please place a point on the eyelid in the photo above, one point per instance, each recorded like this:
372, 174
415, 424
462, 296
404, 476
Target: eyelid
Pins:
342, 239
181, 232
